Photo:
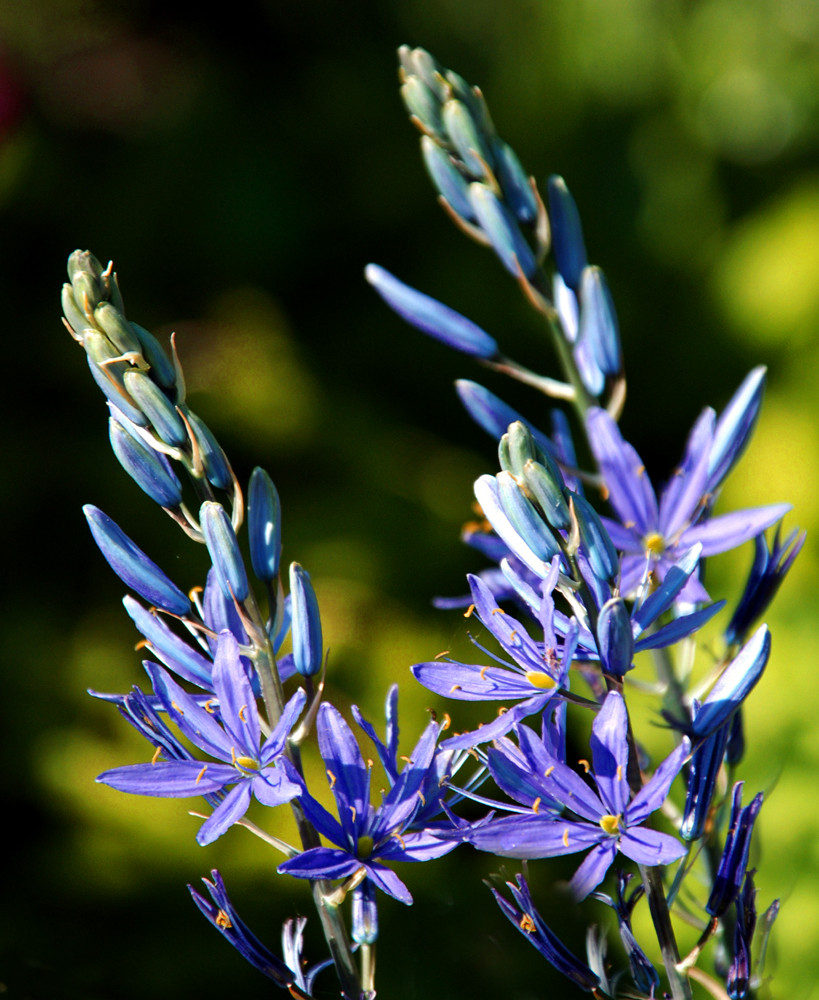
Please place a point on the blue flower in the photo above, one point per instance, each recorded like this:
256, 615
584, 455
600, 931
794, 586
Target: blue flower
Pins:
530, 923
642, 971
533, 675
365, 836
734, 860
229, 729
653, 534
289, 974
769, 569
607, 820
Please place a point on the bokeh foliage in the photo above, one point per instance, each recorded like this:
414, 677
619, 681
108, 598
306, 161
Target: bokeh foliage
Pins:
241, 167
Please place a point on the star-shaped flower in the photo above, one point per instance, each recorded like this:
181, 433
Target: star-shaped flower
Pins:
652, 534
604, 821
365, 836
532, 675
227, 728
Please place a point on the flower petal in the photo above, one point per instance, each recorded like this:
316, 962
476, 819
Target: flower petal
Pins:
225, 814
609, 746
593, 869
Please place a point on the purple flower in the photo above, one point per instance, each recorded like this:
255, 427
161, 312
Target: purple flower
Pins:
229, 729
734, 860
366, 836
290, 973
607, 820
769, 569
532, 676
530, 923
653, 534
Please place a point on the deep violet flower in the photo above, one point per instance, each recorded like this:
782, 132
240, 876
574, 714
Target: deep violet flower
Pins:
228, 729
653, 534
366, 836
532, 675
604, 821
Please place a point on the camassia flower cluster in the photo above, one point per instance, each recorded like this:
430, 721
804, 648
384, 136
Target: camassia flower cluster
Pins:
595, 579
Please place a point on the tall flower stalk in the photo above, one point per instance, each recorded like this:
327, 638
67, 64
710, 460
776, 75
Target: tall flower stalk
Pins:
590, 568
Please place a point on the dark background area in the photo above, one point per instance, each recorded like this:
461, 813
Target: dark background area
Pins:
241, 168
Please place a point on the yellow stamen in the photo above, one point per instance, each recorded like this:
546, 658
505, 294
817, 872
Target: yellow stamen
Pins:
654, 544
566, 837
201, 774
548, 771
439, 655
610, 824
539, 679
208, 706
332, 778
469, 610
454, 688
223, 920
536, 805
447, 722
155, 757
585, 765
178, 709
619, 772
242, 711
527, 924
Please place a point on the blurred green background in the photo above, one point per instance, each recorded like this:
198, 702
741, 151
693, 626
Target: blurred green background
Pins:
241, 167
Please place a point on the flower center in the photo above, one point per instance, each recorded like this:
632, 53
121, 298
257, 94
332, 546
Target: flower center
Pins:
539, 679
610, 824
248, 763
654, 544
365, 846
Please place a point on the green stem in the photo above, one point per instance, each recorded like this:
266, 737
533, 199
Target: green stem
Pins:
655, 894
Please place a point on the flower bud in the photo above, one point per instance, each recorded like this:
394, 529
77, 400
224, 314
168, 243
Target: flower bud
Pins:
264, 526
149, 469
214, 461
114, 325
447, 178
703, 771
85, 274
425, 313
470, 144
223, 549
544, 482
736, 682
615, 640
306, 623
502, 231
166, 645
567, 233
132, 566
598, 322
734, 427
423, 105
487, 494
514, 182
598, 546
493, 415
525, 519
162, 371
156, 406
